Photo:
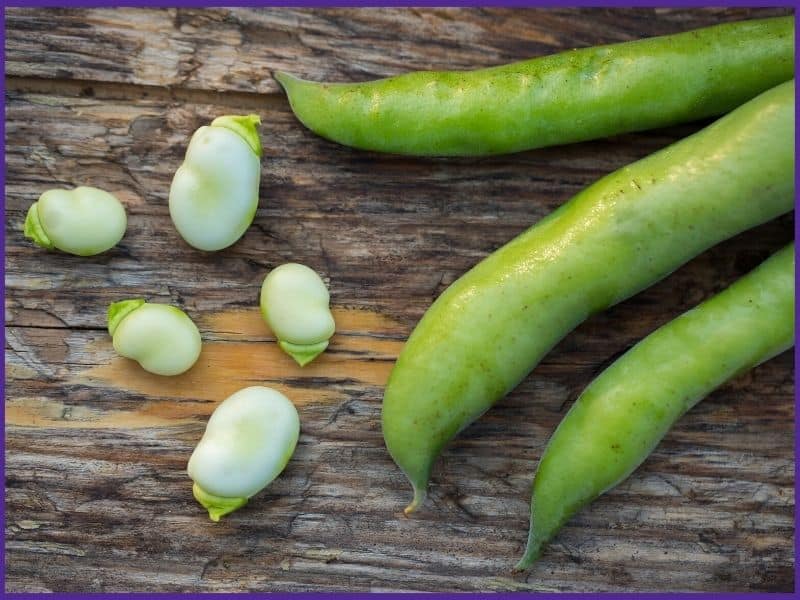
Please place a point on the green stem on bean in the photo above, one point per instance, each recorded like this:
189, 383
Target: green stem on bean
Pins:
303, 353
245, 126
119, 310
217, 506
33, 229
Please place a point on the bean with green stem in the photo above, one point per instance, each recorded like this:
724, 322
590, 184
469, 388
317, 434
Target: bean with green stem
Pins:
625, 412
83, 221
294, 303
161, 338
248, 441
214, 193
491, 327
568, 97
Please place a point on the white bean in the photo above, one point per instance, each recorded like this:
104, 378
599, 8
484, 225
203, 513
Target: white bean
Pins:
214, 194
294, 303
161, 338
83, 221
247, 442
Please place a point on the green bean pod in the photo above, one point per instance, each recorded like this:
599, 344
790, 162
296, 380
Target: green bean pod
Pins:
626, 411
491, 327
558, 99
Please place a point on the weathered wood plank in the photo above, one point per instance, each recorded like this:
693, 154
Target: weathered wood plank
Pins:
96, 493
713, 504
239, 49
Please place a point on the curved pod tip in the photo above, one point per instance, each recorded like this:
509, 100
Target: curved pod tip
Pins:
294, 88
533, 550
419, 497
285, 79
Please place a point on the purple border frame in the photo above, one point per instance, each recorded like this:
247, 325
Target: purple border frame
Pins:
396, 3
3, 317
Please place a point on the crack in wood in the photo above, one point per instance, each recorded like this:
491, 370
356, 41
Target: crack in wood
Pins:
105, 90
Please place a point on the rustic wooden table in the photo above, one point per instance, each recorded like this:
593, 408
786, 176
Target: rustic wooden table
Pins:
96, 492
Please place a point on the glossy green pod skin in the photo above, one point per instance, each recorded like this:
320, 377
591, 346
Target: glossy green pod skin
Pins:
626, 411
491, 327
558, 99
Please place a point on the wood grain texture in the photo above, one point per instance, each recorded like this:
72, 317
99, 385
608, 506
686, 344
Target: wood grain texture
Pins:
96, 493
237, 50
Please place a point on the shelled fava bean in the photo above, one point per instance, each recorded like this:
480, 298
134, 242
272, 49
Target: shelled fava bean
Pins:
161, 338
294, 303
247, 442
214, 194
83, 221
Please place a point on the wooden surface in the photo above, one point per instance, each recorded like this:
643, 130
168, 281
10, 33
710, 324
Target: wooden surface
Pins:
96, 492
